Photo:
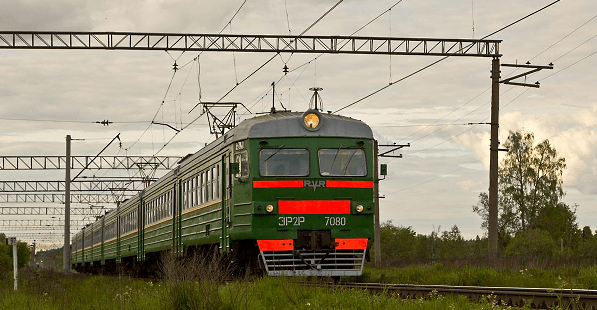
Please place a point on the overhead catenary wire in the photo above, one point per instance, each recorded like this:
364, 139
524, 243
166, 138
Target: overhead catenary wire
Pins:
263, 65
171, 80
466, 103
503, 107
306, 64
442, 59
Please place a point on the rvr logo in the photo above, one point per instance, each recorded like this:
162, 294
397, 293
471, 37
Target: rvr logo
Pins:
313, 184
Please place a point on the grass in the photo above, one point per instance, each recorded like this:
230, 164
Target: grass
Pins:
563, 277
200, 282
57, 291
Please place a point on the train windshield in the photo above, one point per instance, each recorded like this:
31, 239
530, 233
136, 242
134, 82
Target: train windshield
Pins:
283, 162
342, 162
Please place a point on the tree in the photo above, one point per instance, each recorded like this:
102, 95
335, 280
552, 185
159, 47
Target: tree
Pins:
6, 252
507, 217
530, 180
587, 233
531, 175
452, 245
397, 243
532, 245
560, 222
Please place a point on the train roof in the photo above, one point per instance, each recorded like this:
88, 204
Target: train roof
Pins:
290, 124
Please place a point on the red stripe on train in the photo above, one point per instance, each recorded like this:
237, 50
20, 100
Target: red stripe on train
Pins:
275, 245
299, 183
314, 206
351, 244
349, 184
277, 184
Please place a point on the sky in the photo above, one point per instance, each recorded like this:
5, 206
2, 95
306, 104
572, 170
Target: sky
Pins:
48, 94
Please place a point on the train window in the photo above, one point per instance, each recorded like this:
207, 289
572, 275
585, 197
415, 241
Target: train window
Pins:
342, 162
218, 182
208, 183
190, 193
203, 187
153, 211
284, 162
214, 177
185, 191
194, 191
243, 164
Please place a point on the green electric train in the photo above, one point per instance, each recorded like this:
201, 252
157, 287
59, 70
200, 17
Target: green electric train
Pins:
289, 192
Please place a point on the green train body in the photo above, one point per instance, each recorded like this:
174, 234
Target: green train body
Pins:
292, 195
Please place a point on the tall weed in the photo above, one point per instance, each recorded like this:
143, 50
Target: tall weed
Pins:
193, 282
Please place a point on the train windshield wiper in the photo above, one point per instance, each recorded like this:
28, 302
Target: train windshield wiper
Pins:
276, 152
348, 163
335, 156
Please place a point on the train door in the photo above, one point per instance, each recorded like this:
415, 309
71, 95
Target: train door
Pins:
225, 194
177, 217
102, 260
140, 229
118, 220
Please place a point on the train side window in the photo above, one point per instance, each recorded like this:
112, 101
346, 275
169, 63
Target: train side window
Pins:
208, 183
163, 206
214, 181
153, 211
185, 196
218, 182
169, 203
193, 192
190, 193
243, 164
198, 189
202, 187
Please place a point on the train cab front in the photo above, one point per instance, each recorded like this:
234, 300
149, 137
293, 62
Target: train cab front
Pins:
313, 204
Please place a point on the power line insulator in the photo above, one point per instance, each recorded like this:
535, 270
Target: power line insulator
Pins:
285, 69
105, 122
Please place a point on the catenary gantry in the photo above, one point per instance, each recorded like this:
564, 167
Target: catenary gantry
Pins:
59, 198
89, 162
75, 186
249, 43
28, 210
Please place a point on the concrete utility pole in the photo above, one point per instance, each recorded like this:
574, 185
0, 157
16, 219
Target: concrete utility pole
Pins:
13, 241
32, 256
66, 249
493, 159
376, 239
494, 147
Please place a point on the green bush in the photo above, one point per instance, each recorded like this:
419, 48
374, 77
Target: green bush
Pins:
533, 245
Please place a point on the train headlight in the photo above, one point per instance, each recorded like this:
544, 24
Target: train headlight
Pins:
269, 208
359, 208
312, 120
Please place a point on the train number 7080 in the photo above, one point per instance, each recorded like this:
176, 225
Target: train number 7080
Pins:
335, 221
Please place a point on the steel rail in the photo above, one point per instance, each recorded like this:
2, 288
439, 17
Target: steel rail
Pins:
542, 298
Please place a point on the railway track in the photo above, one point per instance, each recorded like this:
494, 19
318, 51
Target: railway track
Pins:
539, 298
